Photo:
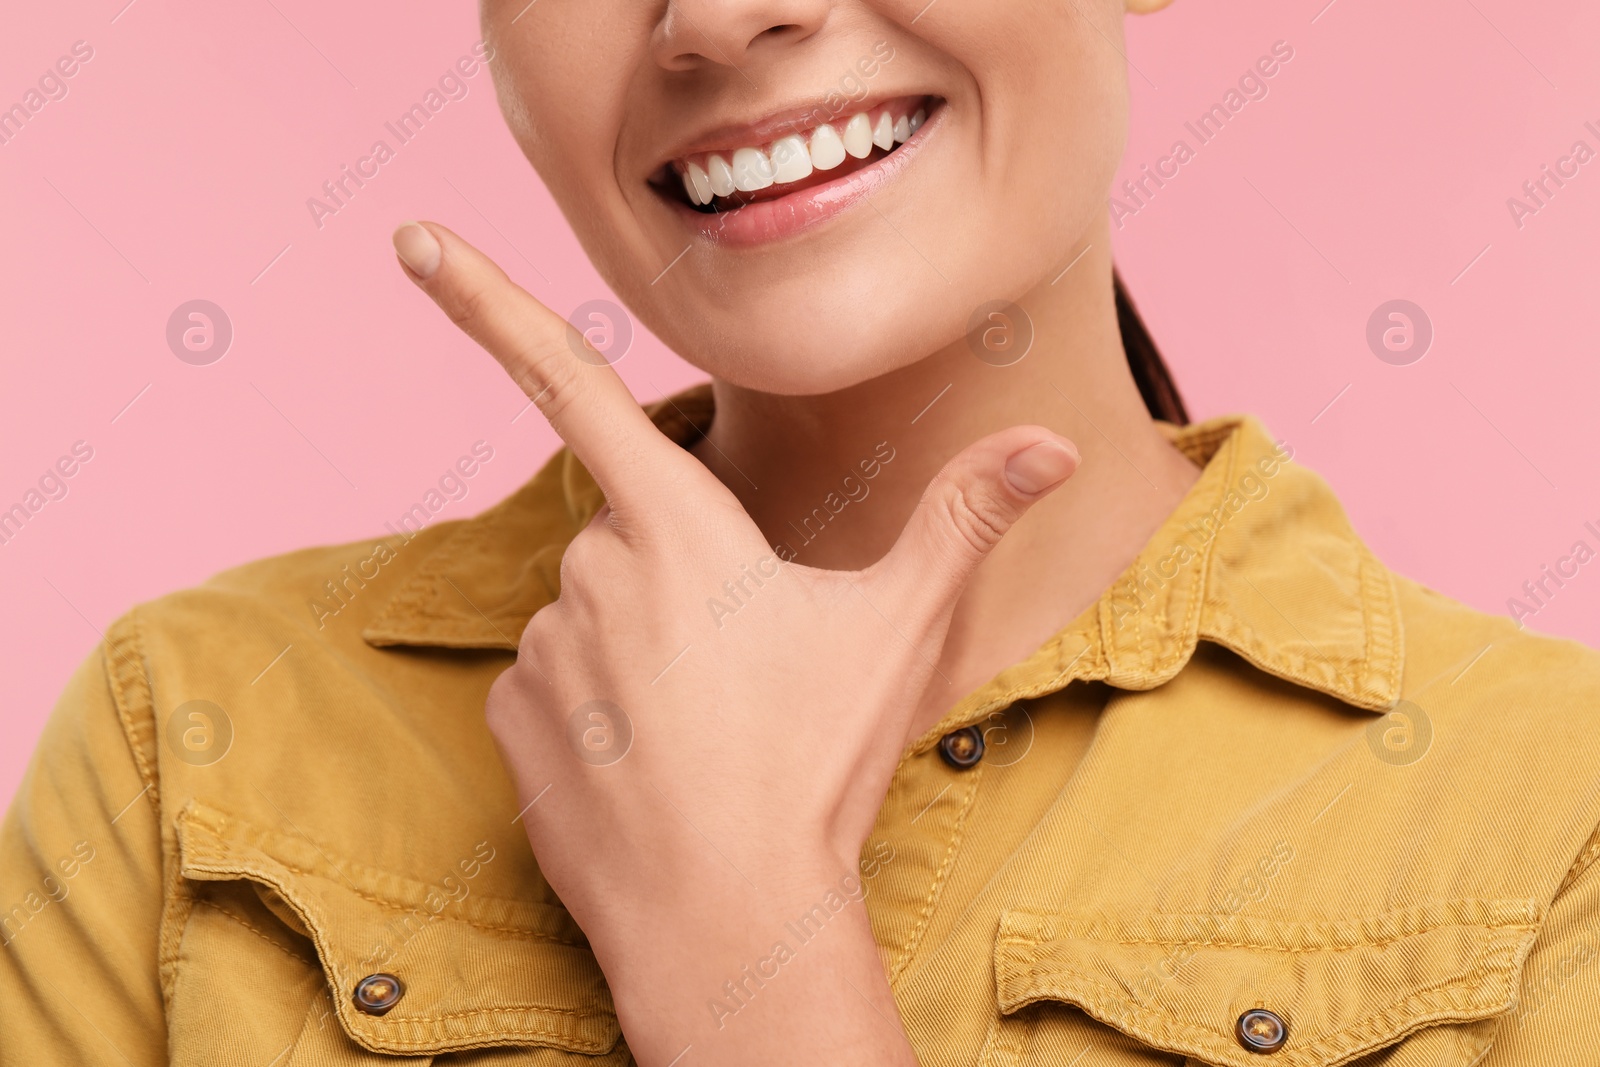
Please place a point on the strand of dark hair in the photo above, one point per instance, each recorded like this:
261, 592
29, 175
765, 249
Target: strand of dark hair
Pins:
1150, 371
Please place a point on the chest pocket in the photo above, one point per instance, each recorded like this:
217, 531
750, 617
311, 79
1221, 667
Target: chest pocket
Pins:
1414, 987
273, 937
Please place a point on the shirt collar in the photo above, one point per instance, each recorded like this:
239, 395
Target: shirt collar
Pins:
1258, 557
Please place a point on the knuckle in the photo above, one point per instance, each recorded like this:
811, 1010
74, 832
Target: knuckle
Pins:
578, 561
500, 709
471, 307
540, 643
977, 520
551, 380
537, 634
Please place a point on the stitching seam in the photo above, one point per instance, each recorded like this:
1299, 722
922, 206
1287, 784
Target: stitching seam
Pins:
245, 871
1021, 941
254, 929
122, 657
941, 875
1585, 859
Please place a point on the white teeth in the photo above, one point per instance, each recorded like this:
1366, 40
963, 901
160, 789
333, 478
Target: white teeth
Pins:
858, 136
827, 150
699, 183
794, 157
720, 176
790, 160
883, 132
752, 170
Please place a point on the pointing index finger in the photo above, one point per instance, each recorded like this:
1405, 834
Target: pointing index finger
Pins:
584, 400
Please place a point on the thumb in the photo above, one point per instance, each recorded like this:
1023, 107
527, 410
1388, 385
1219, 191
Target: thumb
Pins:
969, 506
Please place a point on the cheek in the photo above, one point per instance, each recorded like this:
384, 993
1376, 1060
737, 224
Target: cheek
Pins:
562, 109
568, 117
1058, 122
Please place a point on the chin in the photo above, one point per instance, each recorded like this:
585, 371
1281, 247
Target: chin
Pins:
823, 335
804, 370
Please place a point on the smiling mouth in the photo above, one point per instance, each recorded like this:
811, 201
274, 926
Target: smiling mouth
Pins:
728, 178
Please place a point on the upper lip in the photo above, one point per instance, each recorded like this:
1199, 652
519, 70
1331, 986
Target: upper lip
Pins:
797, 118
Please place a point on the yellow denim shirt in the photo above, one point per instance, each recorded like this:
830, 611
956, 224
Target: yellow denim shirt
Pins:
1262, 774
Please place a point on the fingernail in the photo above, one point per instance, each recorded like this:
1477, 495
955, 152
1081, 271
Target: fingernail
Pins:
1040, 467
417, 249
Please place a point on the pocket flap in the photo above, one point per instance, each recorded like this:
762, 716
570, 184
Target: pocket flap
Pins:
1344, 988
477, 971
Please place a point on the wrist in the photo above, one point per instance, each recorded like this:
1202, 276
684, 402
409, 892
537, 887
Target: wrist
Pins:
724, 916
733, 972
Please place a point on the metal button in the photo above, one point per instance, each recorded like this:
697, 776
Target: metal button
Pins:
1261, 1030
377, 993
962, 748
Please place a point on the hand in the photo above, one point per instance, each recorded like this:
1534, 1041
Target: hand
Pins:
763, 743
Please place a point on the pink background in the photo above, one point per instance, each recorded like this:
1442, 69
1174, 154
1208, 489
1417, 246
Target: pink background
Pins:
178, 166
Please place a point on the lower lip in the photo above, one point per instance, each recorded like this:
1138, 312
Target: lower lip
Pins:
765, 221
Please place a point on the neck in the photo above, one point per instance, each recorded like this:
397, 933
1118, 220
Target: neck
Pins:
835, 477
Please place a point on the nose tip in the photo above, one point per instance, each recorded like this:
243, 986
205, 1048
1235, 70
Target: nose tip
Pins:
693, 34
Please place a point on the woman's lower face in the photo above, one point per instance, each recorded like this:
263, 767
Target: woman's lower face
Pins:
800, 195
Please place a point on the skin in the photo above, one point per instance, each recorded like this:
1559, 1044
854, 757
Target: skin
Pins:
760, 758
